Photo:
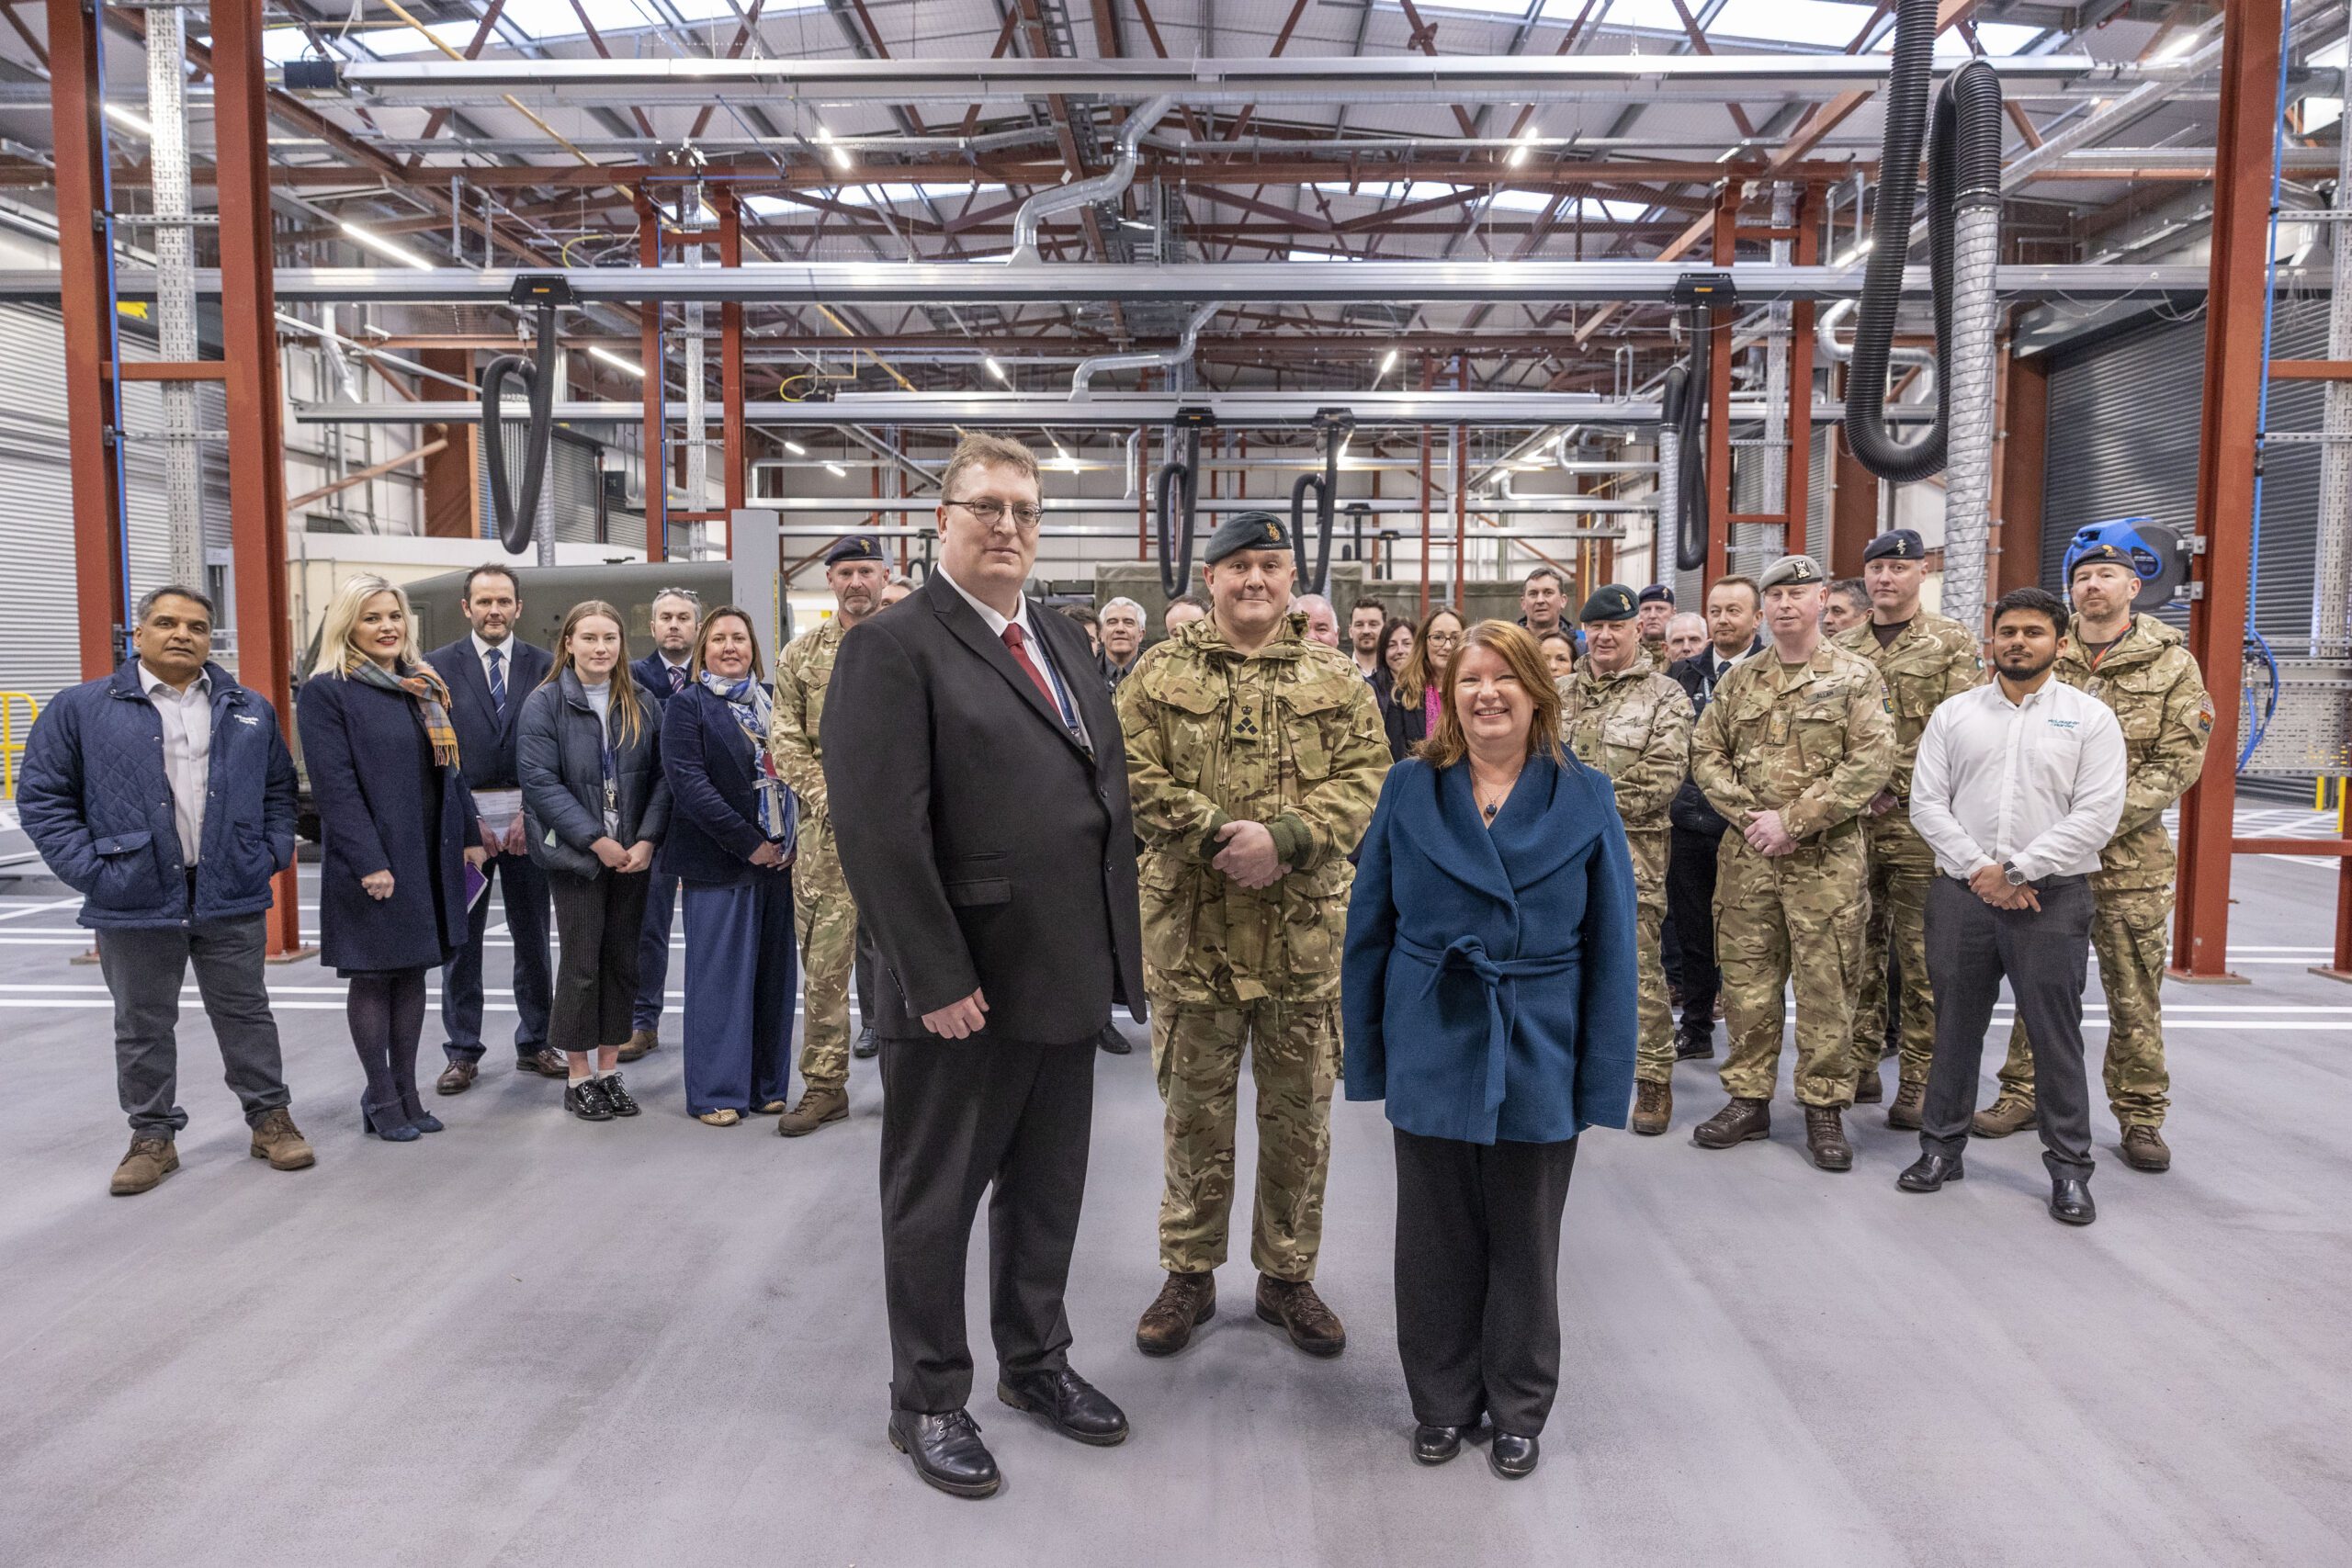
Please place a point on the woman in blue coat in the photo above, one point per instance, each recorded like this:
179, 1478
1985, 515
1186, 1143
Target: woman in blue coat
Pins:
731, 837
1489, 996
397, 830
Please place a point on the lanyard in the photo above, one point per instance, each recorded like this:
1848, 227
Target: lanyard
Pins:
1054, 679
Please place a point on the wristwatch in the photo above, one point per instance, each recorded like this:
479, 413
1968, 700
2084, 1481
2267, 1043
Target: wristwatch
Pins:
2009, 869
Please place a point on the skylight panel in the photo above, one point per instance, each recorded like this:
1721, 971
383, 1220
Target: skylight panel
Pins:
1825, 24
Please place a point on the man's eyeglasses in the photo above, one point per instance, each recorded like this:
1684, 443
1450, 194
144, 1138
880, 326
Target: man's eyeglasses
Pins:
992, 513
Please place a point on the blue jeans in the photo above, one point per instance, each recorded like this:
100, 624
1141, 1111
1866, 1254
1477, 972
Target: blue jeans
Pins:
653, 951
743, 971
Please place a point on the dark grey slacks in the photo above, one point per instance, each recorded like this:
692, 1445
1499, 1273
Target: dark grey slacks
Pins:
960, 1117
2044, 955
1479, 1278
602, 923
143, 968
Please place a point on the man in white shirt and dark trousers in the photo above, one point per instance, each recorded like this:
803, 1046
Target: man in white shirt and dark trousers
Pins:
2018, 787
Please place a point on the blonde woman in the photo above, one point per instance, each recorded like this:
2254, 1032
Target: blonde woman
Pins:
595, 804
397, 829
1412, 711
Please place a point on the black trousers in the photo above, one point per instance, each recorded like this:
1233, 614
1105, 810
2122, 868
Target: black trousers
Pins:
602, 923
960, 1117
862, 971
1691, 906
523, 887
143, 967
1971, 946
1479, 1278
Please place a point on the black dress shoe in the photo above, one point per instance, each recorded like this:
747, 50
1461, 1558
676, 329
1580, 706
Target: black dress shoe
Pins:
1929, 1172
1513, 1457
947, 1452
866, 1044
1070, 1404
1695, 1048
1435, 1445
617, 1098
2069, 1202
1112, 1041
586, 1100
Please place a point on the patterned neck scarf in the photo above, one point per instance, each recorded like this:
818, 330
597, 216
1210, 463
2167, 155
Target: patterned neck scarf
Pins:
751, 710
432, 699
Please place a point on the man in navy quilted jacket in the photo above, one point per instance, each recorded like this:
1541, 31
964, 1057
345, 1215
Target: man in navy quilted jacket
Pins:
163, 794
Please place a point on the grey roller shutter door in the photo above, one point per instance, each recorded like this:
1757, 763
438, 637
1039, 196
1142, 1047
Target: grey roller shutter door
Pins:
574, 488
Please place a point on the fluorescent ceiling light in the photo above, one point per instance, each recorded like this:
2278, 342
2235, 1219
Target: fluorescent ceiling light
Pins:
1518, 153
833, 150
387, 248
616, 361
2183, 45
1387, 363
796, 449
836, 470
995, 369
1856, 252
130, 120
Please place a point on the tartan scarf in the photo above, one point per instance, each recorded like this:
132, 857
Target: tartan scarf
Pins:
751, 710
432, 698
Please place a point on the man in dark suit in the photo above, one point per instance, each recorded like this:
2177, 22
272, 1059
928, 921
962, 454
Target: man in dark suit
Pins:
1696, 829
677, 615
980, 802
489, 673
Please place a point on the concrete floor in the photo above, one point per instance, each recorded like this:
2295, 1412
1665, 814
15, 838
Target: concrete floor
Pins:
530, 1340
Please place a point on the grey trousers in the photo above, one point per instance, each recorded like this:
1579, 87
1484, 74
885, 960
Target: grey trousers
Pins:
1971, 947
143, 968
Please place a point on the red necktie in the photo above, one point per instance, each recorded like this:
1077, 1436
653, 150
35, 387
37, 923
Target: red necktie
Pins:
1014, 640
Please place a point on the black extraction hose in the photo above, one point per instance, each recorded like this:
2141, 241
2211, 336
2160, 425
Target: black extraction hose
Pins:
1175, 572
1326, 486
1683, 400
1963, 152
515, 514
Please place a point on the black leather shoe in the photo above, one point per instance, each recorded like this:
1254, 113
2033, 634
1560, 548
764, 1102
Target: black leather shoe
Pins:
1695, 1048
617, 1097
866, 1044
1112, 1042
1435, 1445
586, 1100
1929, 1172
1513, 1458
1070, 1405
2069, 1202
947, 1452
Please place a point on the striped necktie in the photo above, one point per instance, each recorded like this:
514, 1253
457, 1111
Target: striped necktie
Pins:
498, 681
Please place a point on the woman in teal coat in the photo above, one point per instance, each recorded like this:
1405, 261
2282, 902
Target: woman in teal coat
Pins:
1489, 996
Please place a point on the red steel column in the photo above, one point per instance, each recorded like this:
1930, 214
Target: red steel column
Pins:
2247, 120
1718, 395
76, 100
730, 363
1796, 501
657, 421
255, 403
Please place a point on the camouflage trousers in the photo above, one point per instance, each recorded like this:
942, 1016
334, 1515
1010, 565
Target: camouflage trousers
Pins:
1901, 867
1294, 1061
2128, 934
825, 920
1797, 916
1654, 1058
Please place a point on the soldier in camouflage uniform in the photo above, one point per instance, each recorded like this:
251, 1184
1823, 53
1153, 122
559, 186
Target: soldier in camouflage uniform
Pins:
1922, 658
2142, 670
1618, 715
1655, 609
823, 917
1794, 744
1254, 757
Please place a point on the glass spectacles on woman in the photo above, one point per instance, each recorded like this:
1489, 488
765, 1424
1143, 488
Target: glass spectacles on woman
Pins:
990, 512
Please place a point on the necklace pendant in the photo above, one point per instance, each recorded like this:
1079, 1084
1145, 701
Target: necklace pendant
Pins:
1491, 812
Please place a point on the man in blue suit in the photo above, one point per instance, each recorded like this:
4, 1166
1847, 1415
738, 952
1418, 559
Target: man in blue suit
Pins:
677, 615
489, 672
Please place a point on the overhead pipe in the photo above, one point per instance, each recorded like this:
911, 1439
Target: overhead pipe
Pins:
1826, 342
1082, 193
1082, 374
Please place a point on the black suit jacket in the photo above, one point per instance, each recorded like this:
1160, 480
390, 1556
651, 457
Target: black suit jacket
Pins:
485, 739
1689, 810
986, 849
653, 675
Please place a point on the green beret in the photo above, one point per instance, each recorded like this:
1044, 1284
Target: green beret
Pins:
1247, 531
1610, 601
1799, 569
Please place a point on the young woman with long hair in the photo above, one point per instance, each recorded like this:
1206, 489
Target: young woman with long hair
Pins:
1413, 709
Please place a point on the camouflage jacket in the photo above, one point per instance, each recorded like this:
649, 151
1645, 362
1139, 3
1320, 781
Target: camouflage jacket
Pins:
2152, 683
1932, 659
1813, 742
802, 672
1289, 737
1636, 726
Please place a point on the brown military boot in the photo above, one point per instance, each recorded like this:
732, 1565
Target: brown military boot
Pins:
1653, 1106
817, 1107
2010, 1113
276, 1140
2143, 1148
640, 1041
1910, 1104
1294, 1305
1739, 1120
1824, 1139
149, 1160
1184, 1303
1867, 1088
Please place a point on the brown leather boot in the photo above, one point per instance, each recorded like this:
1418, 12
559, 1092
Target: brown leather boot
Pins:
1294, 1305
149, 1160
1910, 1105
640, 1041
2010, 1113
1184, 1303
276, 1140
2143, 1148
817, 1107
1824, 1139
1653, 1106
1738, 1122
1867, 1088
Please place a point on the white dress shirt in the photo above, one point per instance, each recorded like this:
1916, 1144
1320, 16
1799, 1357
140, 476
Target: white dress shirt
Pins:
505, 660
188, 750
1030, 641
2038, 784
